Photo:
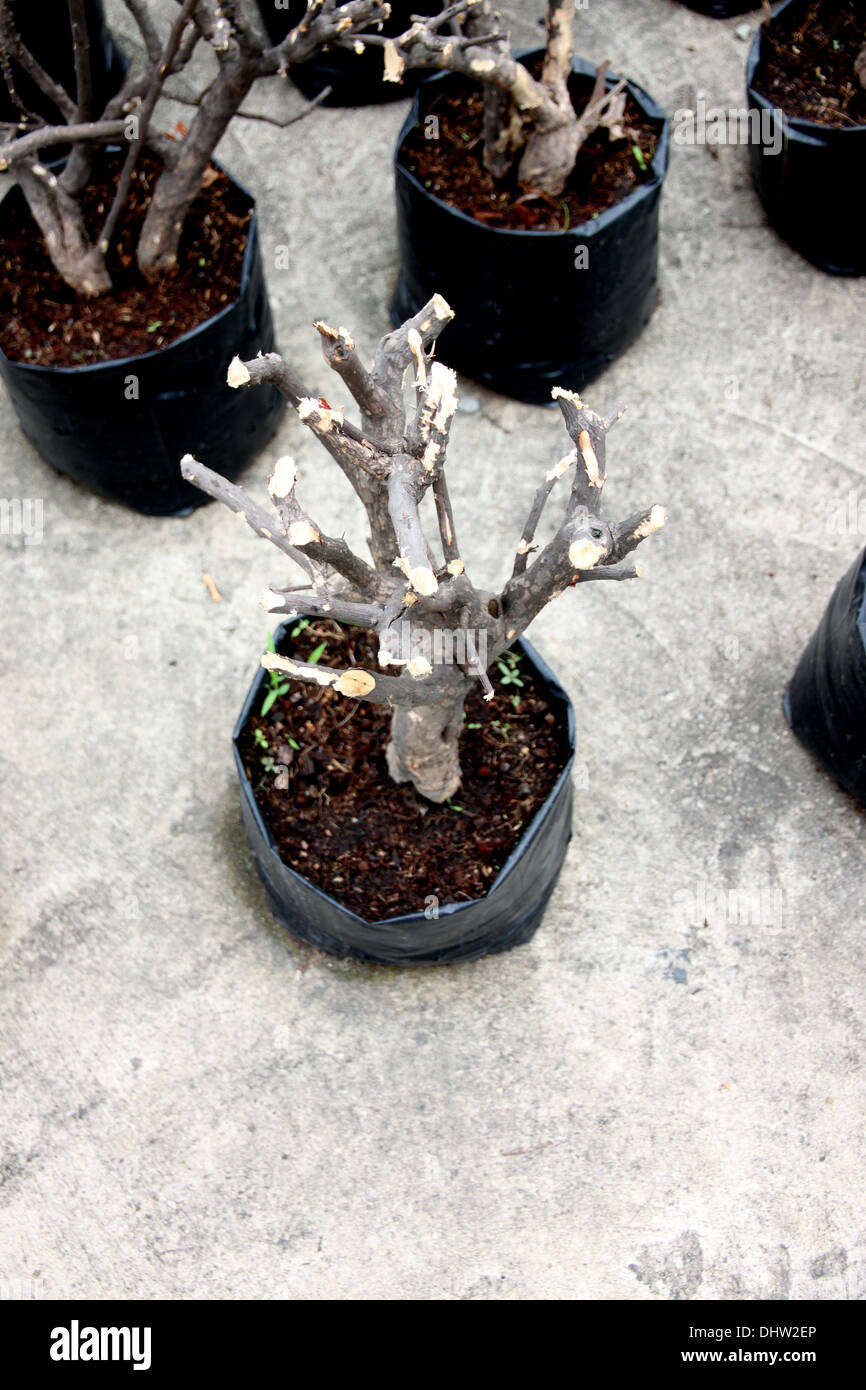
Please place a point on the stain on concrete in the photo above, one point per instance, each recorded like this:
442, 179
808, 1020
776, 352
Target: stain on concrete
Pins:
672, 1271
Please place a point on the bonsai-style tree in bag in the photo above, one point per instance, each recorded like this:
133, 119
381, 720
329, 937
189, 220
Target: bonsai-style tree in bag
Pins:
530, 121
531, 181
56, 200
143, 271
438, 630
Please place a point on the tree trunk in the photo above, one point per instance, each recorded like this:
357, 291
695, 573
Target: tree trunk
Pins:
552, 149
503, 133
423, 747
549, 157
177, 187
61, 221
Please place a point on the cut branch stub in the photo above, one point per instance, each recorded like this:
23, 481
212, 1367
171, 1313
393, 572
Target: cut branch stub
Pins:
588, 431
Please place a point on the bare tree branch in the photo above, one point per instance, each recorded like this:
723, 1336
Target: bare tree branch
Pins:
60, 219
310, 106
14, 48
81, 52
256, 518
136, 145
146, 27
340, 355
399, 692
25, 146
290, 603
321, 25
544, 490
627, 535
308, 538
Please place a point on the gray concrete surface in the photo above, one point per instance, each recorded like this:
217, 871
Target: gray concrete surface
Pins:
660, 1097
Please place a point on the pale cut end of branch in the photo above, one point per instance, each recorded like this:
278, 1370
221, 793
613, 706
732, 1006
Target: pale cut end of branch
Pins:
326, 418
588, 455
221, 35
416, 347
394, 63
455, 567
562, 467
301, 533
654, 522
318, 675
423, 580
271, 600
560, 393
237, 374
387, 657
584, 554
337, 335
45, 174
355, 683
441, 308
283, 479
419, 667
442, 395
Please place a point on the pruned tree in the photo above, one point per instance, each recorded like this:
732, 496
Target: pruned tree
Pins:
432, 621
531, 120
243, 56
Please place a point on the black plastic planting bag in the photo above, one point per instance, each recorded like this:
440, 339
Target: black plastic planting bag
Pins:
810, 177
721, 9
533, 309
45, 30
355, 79
825, 703
121, 428
508, 916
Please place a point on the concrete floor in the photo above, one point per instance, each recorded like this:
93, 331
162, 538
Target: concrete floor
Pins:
661, 1097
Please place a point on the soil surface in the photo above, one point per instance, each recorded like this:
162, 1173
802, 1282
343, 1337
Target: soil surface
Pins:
378, 846
810, 67
43, 321
452, 167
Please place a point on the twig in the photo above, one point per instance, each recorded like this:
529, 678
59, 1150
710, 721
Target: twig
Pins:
259, 115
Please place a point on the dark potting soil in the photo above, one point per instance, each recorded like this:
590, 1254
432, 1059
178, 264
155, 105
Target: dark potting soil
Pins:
376, 845
452, 167
43, 321
810, 63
